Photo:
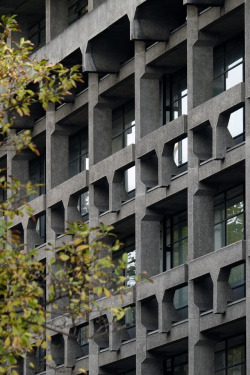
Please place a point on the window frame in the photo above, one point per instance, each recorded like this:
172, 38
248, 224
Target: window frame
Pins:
168, 86
84, 344
170, 370
240, 137
225, 350
40, 224
128, 247
82, 152
85, 217
124, 130
182, 310
227, 218
39, 32
79, 11
226, 70
238, 286
41, 167
170, 249
130, 193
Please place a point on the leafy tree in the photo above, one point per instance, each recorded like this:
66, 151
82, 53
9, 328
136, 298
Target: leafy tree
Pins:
79, 272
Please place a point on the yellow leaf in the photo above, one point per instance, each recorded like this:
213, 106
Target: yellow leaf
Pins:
107, 292
31, 365
7, 341
77, 242
44, 345
48, 357
82, 370
48, 336
82, 247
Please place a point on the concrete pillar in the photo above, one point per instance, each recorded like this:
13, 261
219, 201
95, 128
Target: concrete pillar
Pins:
56, 18
93, 351
201, 348
200, 198
199, 61
100, 123
147, 94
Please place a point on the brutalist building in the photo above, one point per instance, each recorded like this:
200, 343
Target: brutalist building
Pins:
156, 142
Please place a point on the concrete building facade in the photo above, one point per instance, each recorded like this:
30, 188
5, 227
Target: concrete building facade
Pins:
155, 142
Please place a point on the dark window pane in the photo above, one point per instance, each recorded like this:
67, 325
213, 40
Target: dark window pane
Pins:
219, 361
181, 297
117, 144
218, 85
180, 252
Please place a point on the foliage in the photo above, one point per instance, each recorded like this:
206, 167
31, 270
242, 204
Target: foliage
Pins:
25, 81
81, 270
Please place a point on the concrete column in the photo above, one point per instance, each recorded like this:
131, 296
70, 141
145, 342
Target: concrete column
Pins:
147, 94
199, 61
56, 18
148, 245
93, 351
200, 198
247, 182
200, 348
100, 123
141, 340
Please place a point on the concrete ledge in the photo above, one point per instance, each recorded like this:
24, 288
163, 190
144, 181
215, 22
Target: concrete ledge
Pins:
171, 132
126, 351
166, 280
67, 110
127, 210
212, 108
178, 185
233, 313
121, 159
67, 188
233, 157
216, 260
178, 332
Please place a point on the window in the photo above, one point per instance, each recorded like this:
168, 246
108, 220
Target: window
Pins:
76, 9
229, 220
175, 96
175, 240
123, 126
101, 329
41, 361
129, 182
41, 227
78, 153
130, 322
229, 356
129, 248
180, 302
83, 338
181, 154
228, 64
83, 205
57, 349
236, 125
237, 281
36, 34
37, 175
177, 365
